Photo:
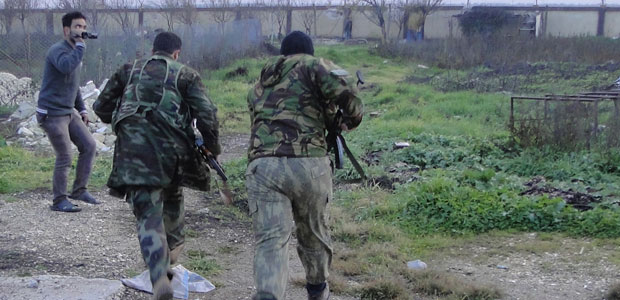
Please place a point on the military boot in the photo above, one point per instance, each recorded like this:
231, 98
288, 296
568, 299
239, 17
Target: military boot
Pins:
175, 253
162, 290
322, 295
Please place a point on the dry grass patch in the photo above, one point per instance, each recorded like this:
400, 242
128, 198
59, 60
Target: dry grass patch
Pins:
383, 289
349, 263
435, 283
539, 247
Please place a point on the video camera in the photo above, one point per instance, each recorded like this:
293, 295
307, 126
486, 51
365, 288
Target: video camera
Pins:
88, 35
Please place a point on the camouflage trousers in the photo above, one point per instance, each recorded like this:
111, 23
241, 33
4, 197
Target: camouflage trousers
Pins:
281, 191
160, 216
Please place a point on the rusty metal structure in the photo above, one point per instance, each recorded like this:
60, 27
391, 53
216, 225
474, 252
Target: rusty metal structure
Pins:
593, 101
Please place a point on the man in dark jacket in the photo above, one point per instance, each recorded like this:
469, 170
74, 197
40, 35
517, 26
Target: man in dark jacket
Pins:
289, 175
58, 106
150, 105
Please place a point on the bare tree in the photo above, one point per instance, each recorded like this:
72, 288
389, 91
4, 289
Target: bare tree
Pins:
90, 8
308, 16
122, 15
278, 13
425, 8
8, 14
222, 13
400, 15
23, 10
169, 10
188, 13
376, 14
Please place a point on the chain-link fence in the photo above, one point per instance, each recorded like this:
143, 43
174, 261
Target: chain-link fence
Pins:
213, 46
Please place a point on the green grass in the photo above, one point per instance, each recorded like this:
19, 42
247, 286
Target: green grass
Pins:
460, 179
201, 263
22, 170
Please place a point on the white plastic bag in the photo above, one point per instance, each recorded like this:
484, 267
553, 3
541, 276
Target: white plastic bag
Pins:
183, 282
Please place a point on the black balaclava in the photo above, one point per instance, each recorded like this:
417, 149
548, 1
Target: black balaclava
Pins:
296, 42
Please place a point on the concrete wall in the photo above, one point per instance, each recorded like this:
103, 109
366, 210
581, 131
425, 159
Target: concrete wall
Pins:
442, 24
571, 23
563, 22
612, 24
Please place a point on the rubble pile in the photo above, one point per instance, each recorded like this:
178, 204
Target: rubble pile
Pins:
14, 91
28, 133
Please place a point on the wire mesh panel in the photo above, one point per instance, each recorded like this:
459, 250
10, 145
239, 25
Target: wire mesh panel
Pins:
23, 54
569, 122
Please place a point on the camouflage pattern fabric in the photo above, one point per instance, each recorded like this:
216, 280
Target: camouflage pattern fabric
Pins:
150, 105
294, 101
158, 235
282, 190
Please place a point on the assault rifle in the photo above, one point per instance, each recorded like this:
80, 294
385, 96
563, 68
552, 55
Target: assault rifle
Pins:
213, 164
336, 142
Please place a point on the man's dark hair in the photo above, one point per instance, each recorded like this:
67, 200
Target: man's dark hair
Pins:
296, 42
167, 42
69, 17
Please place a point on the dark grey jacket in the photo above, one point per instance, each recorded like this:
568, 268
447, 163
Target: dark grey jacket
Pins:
60, 88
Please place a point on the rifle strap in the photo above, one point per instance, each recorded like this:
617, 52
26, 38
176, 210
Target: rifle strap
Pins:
356, 165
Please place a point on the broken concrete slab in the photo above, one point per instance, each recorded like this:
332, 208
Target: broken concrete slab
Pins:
55, 287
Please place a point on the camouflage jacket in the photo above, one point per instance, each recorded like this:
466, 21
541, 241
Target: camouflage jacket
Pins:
294, 103
151, 104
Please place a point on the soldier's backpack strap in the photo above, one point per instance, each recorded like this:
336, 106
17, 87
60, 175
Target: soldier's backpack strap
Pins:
147, 104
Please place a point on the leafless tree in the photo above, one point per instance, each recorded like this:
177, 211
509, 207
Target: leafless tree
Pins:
188, 13
169, 10
279, 12
23, 8
309, 16
424, 7
375, 10
8, 14
222, 12
90, 8
122, 15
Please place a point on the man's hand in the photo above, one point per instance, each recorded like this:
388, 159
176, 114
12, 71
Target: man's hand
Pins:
85, 118
77, 37
344, 127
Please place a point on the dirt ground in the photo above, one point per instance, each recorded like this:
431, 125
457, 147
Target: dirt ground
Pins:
101, 242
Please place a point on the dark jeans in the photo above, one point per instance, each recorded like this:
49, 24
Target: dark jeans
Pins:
62, 131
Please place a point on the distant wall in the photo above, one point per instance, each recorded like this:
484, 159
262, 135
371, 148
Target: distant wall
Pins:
557, 21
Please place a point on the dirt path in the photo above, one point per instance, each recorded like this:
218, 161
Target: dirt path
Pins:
101, 242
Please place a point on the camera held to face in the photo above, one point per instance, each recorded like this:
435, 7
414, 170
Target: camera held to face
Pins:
88, 35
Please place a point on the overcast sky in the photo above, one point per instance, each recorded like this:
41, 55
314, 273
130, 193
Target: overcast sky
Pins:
484, 2
615, 3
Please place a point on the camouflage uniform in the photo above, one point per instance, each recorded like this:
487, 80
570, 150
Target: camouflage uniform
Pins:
150, 105
289, 175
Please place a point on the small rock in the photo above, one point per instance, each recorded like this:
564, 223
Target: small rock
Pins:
416, 265
422, 67
99, 137
25, 132
32, 284
374, 114
501, 267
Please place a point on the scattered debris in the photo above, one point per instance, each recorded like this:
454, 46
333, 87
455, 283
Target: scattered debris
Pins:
581, 201
14, 91
28, 133
400, 145
240, 71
